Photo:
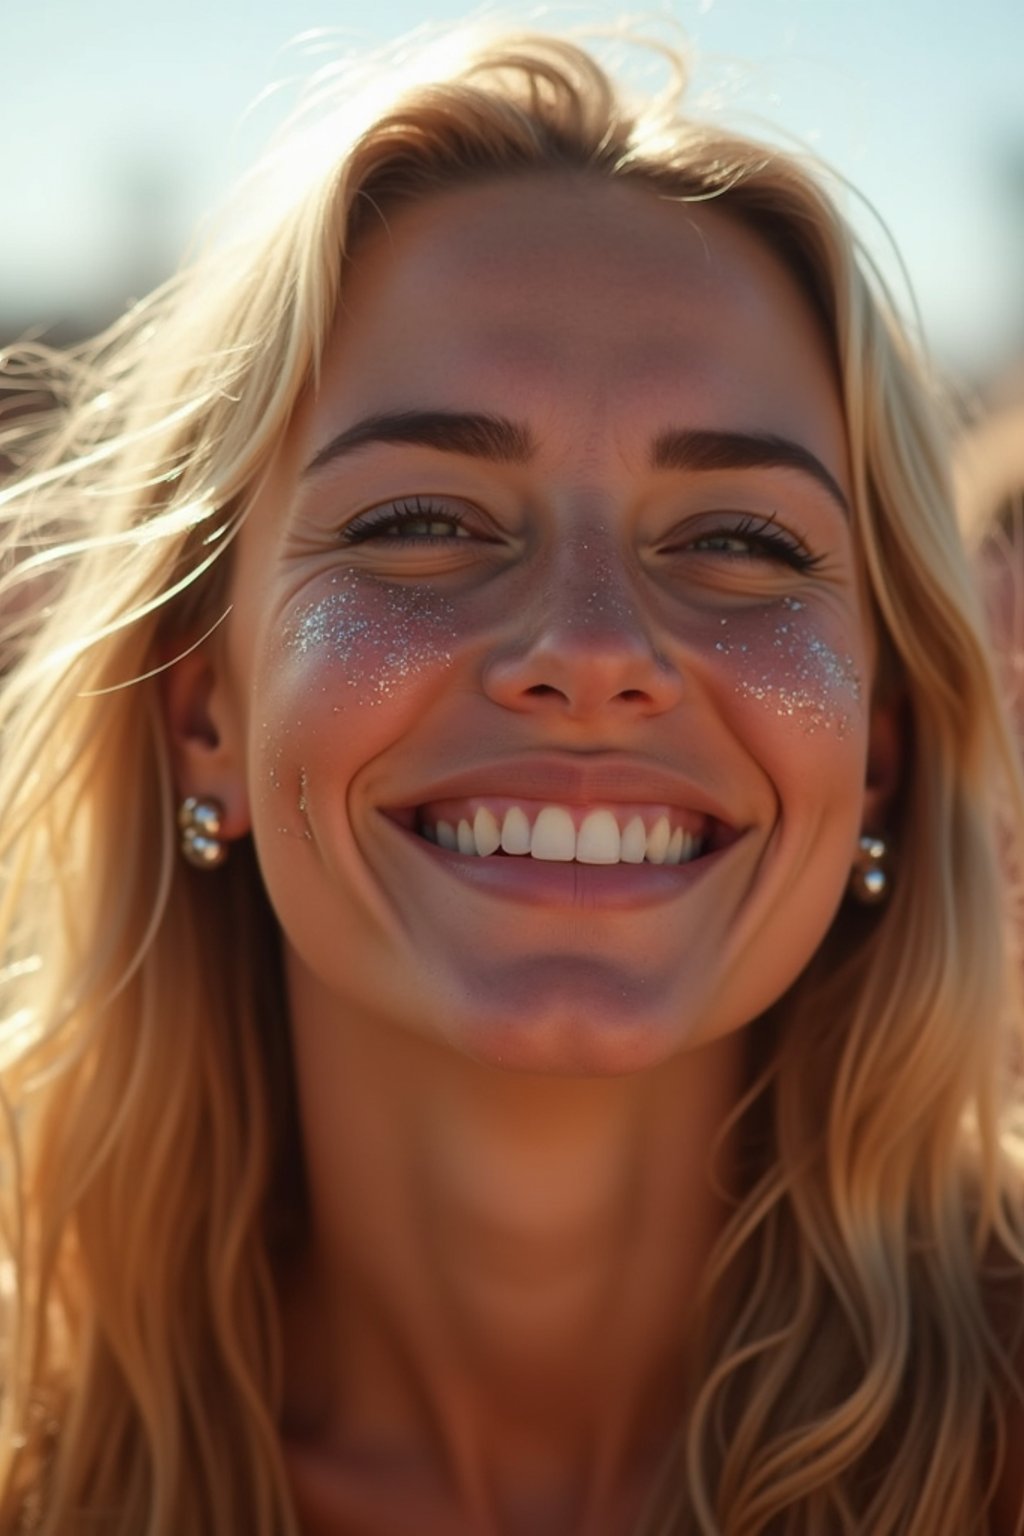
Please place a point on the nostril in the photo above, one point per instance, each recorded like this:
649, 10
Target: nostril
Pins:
560, 673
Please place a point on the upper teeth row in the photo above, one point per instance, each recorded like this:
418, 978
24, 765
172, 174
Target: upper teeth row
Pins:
554, 837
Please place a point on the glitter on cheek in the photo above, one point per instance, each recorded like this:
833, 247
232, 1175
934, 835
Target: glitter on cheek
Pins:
277, 776
797, 675
275, 752
358, 644
382, 635
307, 831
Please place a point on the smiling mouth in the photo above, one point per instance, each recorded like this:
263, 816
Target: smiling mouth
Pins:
493, 827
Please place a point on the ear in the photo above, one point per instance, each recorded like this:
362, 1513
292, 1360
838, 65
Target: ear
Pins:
887, 746
205, 732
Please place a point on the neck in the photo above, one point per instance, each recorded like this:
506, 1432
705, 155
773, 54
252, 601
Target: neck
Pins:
501, 1278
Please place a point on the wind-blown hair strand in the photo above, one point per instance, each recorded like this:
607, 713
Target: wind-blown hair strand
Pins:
859, 1340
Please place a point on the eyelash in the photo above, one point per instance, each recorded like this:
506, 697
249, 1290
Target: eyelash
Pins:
767, 541
387, 523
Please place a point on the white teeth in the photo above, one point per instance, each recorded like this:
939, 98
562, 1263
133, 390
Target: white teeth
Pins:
634, 842
486, 832
515, 831
554, 836
446, 836
658, 839
598, 840
683, 846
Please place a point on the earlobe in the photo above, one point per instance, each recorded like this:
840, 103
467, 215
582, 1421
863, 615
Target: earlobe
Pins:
204, 733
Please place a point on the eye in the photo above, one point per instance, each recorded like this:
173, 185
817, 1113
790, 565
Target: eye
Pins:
753, 537
418, 520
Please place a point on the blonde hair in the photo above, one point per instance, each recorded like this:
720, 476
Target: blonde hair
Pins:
859, 1357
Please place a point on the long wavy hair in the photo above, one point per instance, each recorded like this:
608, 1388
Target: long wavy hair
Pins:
858, 1368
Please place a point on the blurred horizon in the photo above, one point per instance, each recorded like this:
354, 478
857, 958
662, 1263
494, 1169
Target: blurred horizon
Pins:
127, 123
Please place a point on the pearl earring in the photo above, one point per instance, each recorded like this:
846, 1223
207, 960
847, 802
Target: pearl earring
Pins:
199, 822
869, 877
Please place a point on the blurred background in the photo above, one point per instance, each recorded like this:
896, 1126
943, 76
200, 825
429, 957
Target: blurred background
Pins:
123, 121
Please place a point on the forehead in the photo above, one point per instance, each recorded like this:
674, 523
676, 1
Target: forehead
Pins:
579, 302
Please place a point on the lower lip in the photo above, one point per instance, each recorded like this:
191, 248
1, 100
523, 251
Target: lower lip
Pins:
546, 883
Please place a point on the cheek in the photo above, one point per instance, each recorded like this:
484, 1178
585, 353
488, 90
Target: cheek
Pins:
793, 686
785, 662
345, 669
369, 641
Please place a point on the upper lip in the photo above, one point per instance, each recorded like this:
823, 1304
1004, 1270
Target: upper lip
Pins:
607, 779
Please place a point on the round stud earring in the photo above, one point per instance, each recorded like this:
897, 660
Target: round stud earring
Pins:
869, 877
199, 822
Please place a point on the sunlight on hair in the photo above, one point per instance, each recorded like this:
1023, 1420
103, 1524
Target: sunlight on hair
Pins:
847, 1309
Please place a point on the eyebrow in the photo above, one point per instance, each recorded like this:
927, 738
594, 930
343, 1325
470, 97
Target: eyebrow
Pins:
743, 450
469, 432
482, 436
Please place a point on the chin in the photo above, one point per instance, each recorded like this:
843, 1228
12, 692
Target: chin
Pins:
568, 1020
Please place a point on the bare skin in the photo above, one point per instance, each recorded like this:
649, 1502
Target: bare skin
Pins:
509, 1088
509, 1267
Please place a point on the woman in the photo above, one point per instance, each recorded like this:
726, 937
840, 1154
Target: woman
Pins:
510, 1022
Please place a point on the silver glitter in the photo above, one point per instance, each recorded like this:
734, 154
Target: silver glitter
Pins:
819, 684
277, 753
414, 624
605, 601
303, 788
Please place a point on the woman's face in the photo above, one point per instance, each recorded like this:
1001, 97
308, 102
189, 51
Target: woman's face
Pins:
559, 554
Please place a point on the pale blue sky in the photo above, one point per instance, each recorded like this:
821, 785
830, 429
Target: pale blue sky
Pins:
121, 122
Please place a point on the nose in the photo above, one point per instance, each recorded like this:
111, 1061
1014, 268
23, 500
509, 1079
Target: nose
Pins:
585, 649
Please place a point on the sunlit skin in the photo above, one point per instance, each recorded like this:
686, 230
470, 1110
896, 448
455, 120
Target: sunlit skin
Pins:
510, 1074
